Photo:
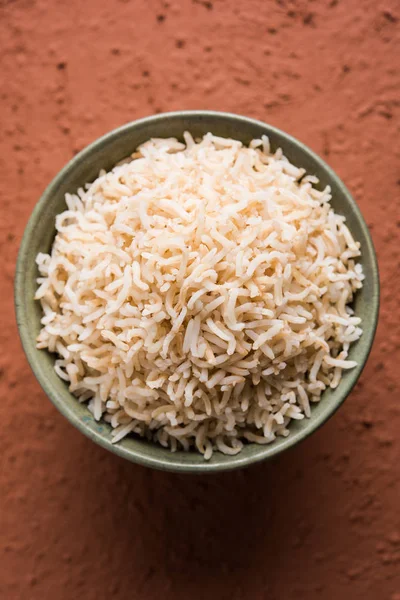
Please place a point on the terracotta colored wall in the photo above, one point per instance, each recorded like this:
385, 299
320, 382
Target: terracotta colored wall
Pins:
323, 520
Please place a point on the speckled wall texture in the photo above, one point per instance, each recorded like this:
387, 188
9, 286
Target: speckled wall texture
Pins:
320, 522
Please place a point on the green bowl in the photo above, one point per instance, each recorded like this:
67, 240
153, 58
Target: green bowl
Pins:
103, 154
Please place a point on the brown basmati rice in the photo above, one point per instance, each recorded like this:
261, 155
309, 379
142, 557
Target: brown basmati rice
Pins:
198, 294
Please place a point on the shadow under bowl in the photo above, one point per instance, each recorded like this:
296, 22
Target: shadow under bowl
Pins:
104, 153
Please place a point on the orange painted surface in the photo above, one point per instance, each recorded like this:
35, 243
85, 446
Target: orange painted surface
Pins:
320, 522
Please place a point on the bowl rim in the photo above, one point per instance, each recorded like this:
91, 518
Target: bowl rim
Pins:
142, 457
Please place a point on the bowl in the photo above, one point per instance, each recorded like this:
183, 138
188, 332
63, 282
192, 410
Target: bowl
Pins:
105, 153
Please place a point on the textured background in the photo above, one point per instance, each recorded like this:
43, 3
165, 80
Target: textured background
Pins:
320, 522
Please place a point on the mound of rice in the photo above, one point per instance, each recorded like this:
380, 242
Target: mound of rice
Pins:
197, 294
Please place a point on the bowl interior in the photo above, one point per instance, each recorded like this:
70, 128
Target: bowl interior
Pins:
104, 153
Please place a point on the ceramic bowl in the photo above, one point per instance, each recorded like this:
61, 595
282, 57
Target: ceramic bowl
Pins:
103, 154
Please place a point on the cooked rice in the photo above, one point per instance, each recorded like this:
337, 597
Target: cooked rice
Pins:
198, 294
